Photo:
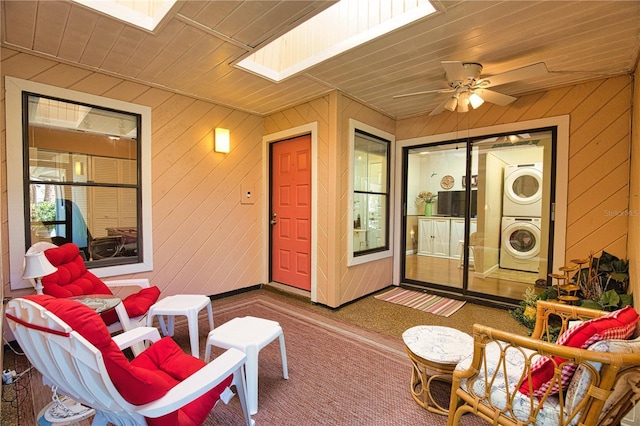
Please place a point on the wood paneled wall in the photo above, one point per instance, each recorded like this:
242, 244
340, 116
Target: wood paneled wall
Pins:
358, 280
599, 155
320, 111
336, 283
205, 241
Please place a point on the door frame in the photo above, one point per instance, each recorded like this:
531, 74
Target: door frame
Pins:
306, 129
559, 210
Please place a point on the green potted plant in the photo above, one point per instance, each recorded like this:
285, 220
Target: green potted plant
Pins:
604, 283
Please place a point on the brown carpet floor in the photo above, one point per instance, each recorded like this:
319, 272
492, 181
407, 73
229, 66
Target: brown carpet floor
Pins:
392, 319
339, 374
330, 383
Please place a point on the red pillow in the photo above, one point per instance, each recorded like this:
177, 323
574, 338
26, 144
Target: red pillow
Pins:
72, 277
619, 324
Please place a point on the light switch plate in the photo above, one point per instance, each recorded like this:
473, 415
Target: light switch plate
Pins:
248, 195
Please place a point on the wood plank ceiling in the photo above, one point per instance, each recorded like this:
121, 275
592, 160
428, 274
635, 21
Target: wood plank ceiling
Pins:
195, 48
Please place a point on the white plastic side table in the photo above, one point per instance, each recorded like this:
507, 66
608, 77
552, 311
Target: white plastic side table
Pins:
188, 305
250, 335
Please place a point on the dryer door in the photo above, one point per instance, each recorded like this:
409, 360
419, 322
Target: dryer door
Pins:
521, 240
524, 186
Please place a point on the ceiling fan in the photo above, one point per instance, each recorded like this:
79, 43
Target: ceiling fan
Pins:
469, 88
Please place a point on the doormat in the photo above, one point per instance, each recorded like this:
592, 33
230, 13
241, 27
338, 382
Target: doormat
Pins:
437, 305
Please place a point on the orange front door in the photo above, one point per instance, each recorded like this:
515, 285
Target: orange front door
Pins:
291, 212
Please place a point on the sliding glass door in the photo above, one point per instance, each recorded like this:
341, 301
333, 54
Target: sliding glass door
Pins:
478, 219
436, 214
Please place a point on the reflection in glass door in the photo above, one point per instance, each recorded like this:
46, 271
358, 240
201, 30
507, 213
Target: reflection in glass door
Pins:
487, 232
435, 215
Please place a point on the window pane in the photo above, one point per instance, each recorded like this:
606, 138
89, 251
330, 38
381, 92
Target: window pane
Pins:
83, 178
370, 164
64, 137
370, 212
101, 221
370, 183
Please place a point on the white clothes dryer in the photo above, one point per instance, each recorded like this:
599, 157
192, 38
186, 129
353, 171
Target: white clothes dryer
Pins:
522, 190
520, 246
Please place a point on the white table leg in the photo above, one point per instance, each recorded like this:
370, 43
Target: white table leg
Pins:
210, 313
192, 321
283, 354
163, 326
251, 370
171, 321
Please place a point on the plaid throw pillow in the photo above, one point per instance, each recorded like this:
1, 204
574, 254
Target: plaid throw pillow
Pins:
619, 324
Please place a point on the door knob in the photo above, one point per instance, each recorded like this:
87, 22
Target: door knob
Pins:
274, 221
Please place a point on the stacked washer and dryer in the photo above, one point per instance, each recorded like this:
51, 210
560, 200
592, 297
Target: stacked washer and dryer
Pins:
521, 217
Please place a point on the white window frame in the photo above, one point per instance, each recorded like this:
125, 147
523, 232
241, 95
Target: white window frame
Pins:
15, 166
358, 260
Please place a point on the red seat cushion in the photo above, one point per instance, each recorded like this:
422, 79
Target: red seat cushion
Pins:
135, 304
619, 324
150, 375
167, 360
73, 279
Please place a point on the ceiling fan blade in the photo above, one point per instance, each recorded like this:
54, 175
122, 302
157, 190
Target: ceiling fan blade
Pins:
455, 70
495, 97
523, 73
440, 107
426, 92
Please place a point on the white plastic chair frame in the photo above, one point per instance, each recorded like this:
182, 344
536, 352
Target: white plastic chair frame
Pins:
76, 367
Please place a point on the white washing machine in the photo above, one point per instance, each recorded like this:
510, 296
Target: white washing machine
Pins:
520, 246
522, 190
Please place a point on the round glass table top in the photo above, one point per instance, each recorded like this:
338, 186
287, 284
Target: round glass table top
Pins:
98, 302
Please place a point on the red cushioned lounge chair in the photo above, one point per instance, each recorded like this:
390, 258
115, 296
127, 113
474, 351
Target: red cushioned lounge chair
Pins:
73, 279
70, 345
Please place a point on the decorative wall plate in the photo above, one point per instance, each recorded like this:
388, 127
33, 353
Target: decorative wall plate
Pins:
447, 182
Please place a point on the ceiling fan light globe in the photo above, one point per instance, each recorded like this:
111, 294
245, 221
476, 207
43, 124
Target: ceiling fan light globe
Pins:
463, 105
451, 104
475, 100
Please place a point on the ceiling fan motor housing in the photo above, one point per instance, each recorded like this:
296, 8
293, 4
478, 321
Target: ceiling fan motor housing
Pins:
472, 71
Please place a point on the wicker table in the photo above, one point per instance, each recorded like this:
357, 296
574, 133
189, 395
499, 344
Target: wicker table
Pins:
434, 352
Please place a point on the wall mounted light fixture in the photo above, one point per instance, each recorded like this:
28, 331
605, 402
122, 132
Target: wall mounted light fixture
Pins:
221, 140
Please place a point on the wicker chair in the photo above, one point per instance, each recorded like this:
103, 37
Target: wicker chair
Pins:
603, 389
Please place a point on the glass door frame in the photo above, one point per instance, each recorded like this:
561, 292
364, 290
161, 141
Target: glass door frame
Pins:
558, 204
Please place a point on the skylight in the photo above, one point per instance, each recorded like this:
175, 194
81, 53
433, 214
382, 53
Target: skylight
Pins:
341, 27
145, 14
